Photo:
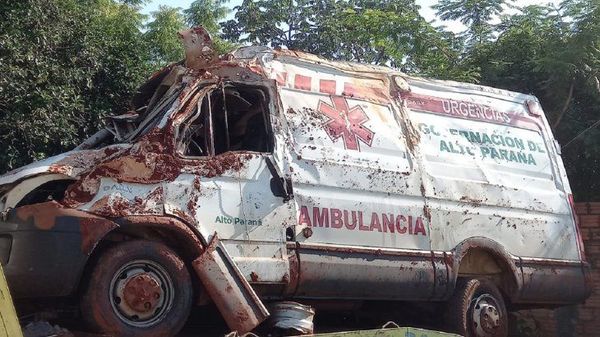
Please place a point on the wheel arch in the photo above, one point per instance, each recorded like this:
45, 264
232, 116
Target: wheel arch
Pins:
16, 196
172, 231
480, 256
177, 233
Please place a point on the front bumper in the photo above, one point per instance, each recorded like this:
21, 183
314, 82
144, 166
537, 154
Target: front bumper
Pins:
40, 263
45, 247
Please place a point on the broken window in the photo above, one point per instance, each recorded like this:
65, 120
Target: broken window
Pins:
229, 118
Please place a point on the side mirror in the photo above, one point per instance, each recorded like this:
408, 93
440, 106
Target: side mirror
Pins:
279, 186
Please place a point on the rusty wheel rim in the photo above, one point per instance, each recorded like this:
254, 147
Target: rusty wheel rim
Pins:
141, 293
486, 318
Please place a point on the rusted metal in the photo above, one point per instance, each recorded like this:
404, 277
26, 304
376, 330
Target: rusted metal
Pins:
236, 300
307, 232
118, 206
199, 49
186, 237
369, 250
565, 280
44, 216
511, 274
142, 293
323, 268
294, 276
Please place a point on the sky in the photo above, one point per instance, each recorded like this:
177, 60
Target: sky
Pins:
426, 11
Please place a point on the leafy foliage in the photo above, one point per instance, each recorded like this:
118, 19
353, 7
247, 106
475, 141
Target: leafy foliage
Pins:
475, 14
554, 55
390, 32
65, 64
208, 13
161, 36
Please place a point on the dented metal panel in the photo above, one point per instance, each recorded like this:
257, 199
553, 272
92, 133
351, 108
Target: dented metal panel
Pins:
539, 280
238, 303
199, 49
478, 151
292, 316
366, 273
352, 170
70, 164
48, 246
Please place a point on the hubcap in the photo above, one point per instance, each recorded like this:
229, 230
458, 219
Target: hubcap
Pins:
486, 317
141, 293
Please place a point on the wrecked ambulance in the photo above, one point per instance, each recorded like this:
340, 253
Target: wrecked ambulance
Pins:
268, 175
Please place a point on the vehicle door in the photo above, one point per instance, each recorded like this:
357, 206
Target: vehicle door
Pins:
227, 143
361, 227
489, 172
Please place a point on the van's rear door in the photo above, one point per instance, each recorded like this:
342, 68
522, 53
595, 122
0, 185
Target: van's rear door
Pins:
490, 170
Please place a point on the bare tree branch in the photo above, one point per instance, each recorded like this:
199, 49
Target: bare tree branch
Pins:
565, 106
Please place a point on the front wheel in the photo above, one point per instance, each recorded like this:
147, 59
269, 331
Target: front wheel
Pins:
138, 288
477, 309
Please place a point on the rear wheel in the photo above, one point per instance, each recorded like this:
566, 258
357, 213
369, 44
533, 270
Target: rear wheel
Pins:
477, 309
138, 288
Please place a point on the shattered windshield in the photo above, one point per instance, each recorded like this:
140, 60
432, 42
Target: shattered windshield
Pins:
232, 117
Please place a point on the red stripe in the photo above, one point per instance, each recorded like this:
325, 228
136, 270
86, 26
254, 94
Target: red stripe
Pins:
281, 78
302, 82
327, 86
350, 90
368, 93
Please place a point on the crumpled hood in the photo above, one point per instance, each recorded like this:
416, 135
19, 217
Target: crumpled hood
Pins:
71, 164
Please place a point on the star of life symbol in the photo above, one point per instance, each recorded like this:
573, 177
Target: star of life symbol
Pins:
345, 122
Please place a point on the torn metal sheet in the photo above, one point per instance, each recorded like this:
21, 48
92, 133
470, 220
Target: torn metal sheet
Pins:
199, 49
236, 300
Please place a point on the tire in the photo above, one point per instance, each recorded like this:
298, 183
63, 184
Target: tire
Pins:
138, 288
477, 309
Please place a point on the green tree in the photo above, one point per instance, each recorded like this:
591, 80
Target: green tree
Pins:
475, 14
164, 45
209, 13
389, 32
394, 33
66, 64
578, 126
277, 23
554, 55
69, 63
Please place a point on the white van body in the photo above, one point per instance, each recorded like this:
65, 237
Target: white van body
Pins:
394, 185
